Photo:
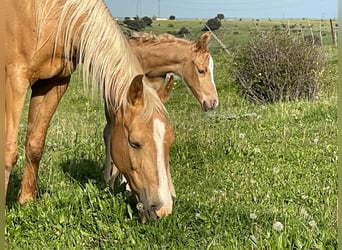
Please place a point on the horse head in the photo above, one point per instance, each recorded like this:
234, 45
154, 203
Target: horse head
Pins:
141, 140
199, 74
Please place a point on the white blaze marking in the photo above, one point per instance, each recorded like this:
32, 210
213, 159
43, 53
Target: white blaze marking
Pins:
158, 136
211, 69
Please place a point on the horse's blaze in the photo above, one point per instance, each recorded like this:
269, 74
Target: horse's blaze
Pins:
163, 190
164, 211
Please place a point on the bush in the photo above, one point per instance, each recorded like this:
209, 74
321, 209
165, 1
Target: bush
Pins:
172, 17
136, 24
183, 31
213, 24
220, 16
147, 20
277, 66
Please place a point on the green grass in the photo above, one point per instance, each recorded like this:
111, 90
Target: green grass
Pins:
236, 171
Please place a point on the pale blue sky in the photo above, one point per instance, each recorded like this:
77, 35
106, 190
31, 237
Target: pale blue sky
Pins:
230, 8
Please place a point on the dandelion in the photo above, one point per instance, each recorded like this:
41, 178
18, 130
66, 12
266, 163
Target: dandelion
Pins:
278, 226
257, 150
252, 216
303, 212
312, 223
315, 140
241, 135
267, 196
304, 197
276, 170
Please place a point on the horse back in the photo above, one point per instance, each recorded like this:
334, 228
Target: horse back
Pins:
31, 44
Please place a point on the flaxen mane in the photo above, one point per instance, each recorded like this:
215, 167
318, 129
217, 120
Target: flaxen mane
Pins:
146, 38
101, 48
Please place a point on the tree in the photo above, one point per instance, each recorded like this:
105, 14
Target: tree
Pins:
172, 17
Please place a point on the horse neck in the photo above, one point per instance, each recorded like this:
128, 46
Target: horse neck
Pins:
101, 47
162, 58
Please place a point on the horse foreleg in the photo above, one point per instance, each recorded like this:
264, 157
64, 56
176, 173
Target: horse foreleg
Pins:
16, 89
45, 97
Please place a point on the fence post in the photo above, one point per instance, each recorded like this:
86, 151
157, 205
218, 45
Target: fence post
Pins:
332, 33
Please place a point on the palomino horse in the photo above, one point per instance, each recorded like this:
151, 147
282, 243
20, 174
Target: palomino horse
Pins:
163, 54
45, 40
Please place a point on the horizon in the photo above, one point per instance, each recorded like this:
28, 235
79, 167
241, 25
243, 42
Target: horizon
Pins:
206, 9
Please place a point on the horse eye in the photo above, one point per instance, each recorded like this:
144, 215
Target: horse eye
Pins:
201, 71
135, 145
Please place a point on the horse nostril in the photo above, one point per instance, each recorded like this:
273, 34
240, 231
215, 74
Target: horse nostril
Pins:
156, 207
215, 103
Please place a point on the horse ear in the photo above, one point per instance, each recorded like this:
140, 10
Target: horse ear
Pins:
135, 92
203, 42
164, 91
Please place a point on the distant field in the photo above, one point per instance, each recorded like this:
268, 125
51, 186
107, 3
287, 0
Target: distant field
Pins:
235, 32
246, 176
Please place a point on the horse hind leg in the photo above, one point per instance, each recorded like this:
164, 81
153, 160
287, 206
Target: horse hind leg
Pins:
45, 97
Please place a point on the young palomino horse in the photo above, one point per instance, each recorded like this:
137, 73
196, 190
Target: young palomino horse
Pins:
45, 40
163, 54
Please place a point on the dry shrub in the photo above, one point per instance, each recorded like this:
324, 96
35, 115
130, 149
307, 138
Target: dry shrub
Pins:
278, 66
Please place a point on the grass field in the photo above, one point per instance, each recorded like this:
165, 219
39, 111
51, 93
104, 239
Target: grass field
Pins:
246, 176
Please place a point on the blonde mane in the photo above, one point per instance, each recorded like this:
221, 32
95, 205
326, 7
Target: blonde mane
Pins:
146, 38
91, 34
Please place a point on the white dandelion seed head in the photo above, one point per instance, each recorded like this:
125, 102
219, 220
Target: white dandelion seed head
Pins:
276, 170
257, 150
312, 223
253, 216
241, 135
304, 197
315, 140
278, 226
303, 212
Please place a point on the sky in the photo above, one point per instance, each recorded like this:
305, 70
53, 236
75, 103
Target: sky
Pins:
230, 8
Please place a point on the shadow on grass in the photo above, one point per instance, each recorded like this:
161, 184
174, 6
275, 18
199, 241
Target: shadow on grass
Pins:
83, 171
12, 196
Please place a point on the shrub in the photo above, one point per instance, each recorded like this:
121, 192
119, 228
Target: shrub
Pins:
172, 17
213, 24
147, 20
220, 16
277, 66
183, 31
136, 24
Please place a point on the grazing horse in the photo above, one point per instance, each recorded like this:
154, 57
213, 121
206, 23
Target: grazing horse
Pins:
163, 54
45, 41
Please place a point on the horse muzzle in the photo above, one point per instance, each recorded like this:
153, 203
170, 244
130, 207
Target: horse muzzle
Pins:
209, 104
148, 213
